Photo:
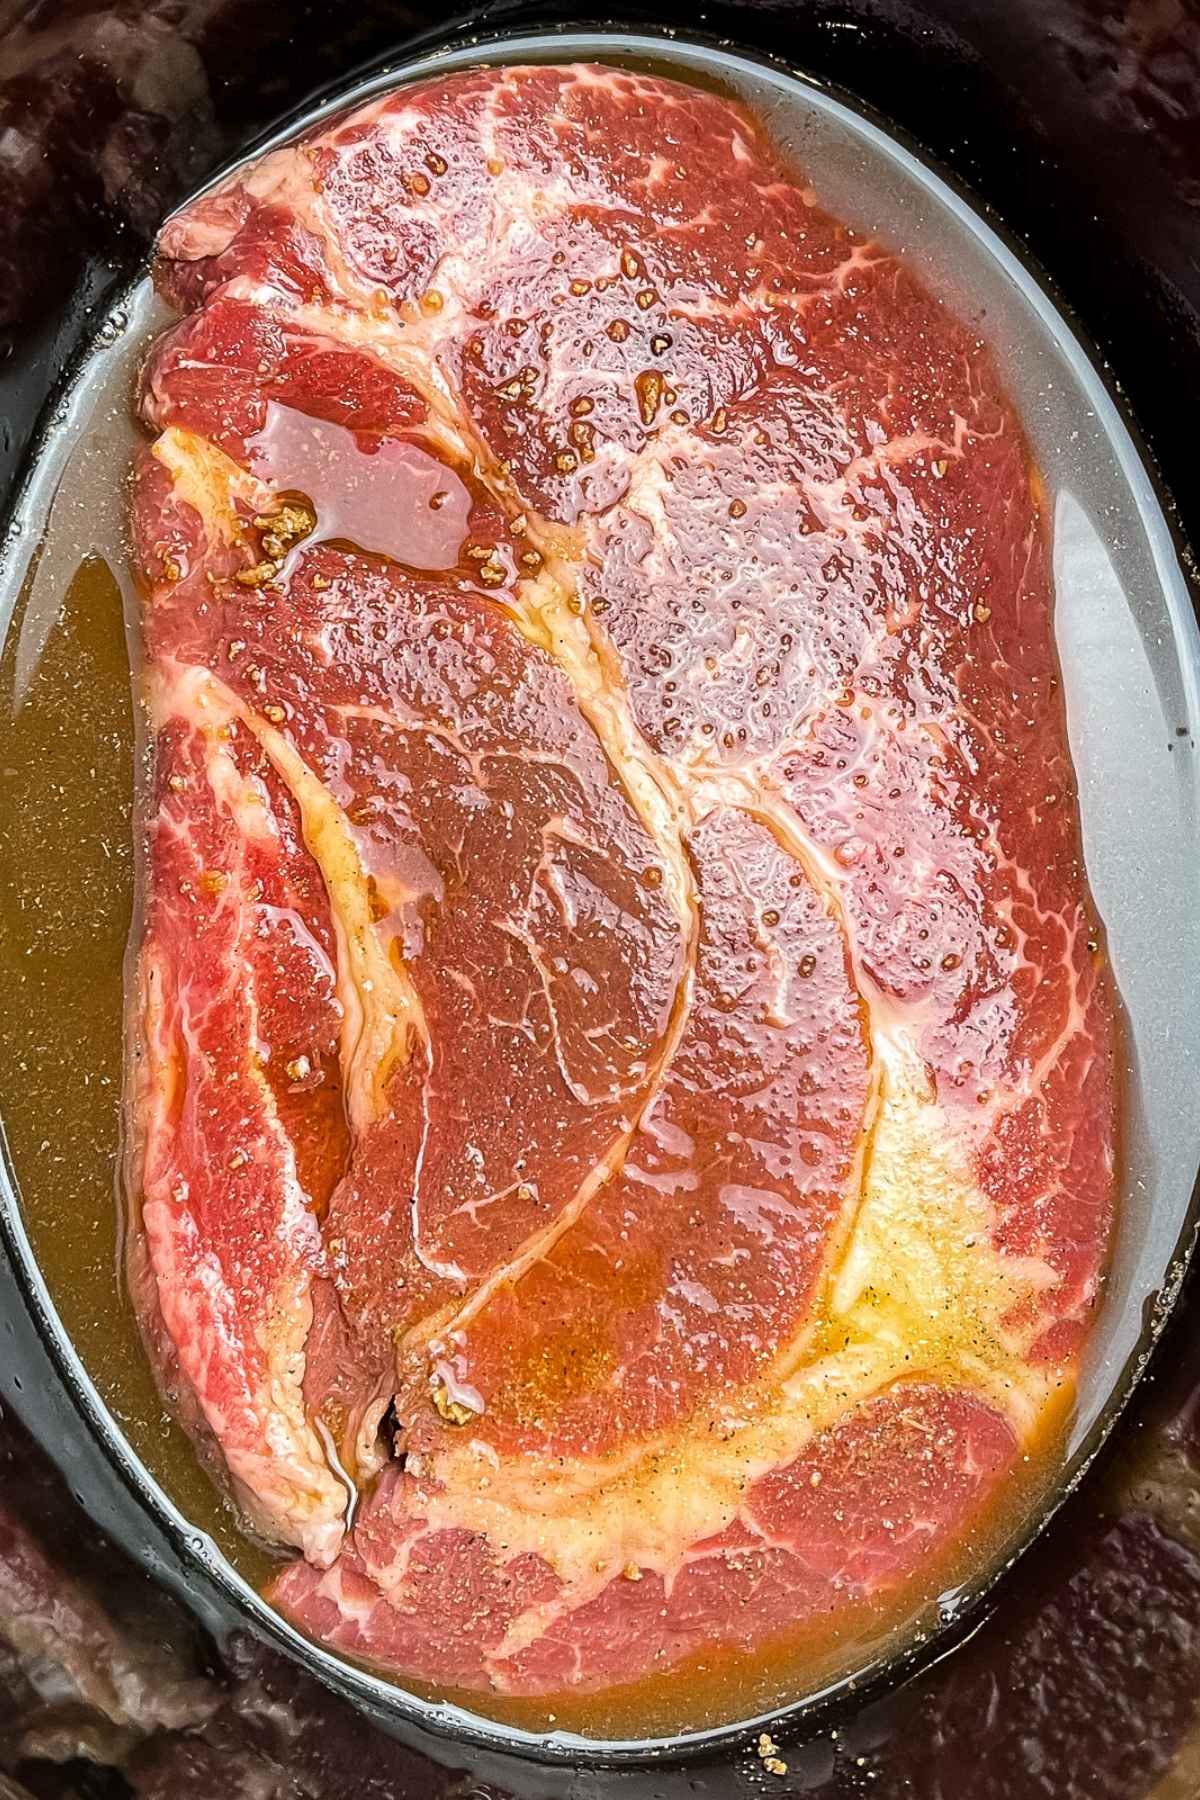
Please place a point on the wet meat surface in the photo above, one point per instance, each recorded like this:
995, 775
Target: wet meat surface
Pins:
622, 1072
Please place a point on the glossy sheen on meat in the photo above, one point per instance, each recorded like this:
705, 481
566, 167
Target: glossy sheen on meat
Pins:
622, 1067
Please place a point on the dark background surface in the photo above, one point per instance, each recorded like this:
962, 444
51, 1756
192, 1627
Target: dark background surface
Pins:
1079, 124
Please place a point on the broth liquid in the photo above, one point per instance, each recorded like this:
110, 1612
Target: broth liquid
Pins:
68, 746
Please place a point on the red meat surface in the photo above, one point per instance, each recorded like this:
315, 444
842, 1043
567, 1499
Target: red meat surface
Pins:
622, 1075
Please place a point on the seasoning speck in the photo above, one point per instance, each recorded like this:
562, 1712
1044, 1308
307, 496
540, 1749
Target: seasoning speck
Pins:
768, 1755
453, 1411
649, 389
257, 575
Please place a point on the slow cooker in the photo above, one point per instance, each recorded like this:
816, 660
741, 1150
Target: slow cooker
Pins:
130, 1660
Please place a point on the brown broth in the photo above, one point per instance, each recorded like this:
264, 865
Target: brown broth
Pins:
66, 892
68, 746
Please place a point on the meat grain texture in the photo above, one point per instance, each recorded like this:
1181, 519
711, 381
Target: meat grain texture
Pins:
622, 1068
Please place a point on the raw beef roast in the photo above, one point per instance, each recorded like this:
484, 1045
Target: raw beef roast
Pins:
621, 1099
